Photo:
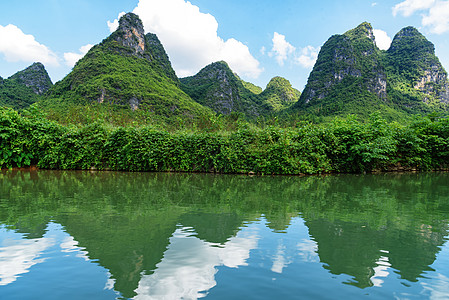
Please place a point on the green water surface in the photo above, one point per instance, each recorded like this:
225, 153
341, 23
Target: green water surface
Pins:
109, 235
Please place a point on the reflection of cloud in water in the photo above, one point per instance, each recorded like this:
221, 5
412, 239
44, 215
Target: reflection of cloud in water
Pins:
189, 265
69, 245
18, 256
308, 251
438, 287
280, 261
381, 271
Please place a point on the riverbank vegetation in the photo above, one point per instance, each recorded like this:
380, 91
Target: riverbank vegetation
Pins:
342, 145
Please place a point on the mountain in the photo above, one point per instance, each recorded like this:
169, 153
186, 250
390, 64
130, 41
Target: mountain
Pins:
352, 76
34, 77
279, 94
416, 77
128, 70
25, 87
218, 87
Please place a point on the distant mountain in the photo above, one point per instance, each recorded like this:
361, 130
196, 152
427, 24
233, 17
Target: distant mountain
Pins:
128, 69
352, 76
25, 87
34, 77
279, 94
218, 87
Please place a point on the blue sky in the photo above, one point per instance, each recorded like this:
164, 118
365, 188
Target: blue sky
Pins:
259, 39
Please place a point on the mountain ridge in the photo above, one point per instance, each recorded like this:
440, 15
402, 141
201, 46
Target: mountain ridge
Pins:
130, 71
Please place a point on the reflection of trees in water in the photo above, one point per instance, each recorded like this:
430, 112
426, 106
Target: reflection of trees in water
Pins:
125, 220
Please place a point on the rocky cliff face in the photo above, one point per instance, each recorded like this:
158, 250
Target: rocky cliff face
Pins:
130, 34
34, 77
217, 87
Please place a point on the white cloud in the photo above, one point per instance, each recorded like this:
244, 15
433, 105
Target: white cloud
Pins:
409, 7
434, 13
308, 57
383, 41
281, 48
437, 18
190, 38
374, 4
114, 24
283, 51
71, 58
18, 46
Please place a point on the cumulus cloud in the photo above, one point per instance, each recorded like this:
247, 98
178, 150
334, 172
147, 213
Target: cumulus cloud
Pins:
409, 7
283, 51
281, 48
18, 46
190, 38
114, 24
308, 56
437, 18
72, 58
434, 13
383, 41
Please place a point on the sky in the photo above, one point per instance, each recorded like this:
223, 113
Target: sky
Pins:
259, 39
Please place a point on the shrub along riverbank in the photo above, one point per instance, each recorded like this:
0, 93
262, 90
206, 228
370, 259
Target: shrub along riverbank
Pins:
343, 145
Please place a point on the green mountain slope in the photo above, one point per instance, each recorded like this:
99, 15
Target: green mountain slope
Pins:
279, 94
128, 71
352, 76
25, 87
217, 87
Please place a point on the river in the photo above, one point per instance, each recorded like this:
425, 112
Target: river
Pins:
111, 235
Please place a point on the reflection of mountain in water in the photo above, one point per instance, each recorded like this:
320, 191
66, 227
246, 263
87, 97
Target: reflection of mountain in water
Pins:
130, 222
356, 250
363, 223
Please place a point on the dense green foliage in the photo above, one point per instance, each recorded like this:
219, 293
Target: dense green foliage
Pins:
252, 87
280, 94
16, 95
345, 145
108, 78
